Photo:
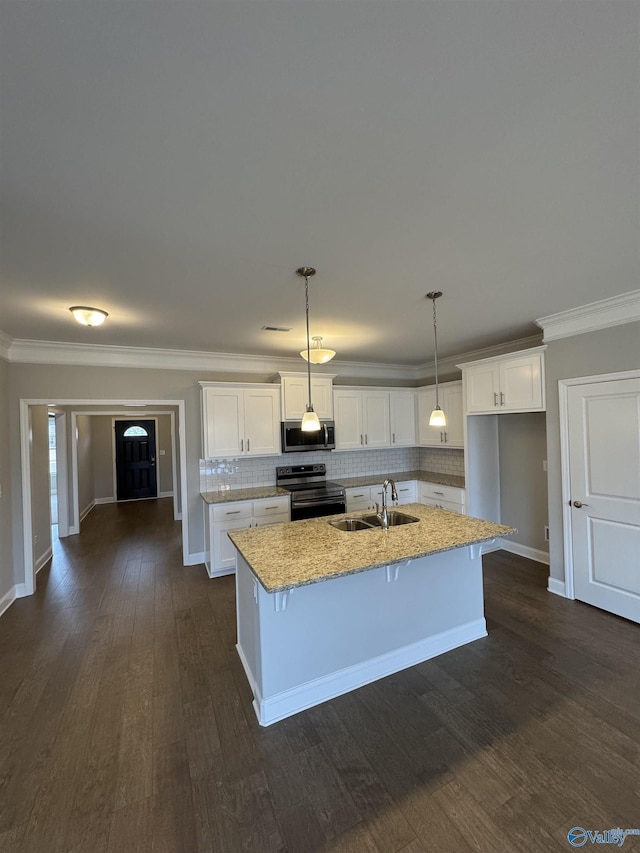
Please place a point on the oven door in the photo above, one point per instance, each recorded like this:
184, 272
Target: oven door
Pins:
316, 507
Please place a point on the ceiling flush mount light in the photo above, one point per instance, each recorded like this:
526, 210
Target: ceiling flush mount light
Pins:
318, 355
437, 418
310, 421
87, 316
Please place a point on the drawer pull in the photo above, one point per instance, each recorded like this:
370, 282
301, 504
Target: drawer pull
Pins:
359, 496
233, 512
438, 493
271, 507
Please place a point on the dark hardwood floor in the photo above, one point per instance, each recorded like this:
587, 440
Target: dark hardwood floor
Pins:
126, 720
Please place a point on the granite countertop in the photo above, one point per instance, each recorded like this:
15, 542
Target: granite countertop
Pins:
231, 495
403, 476
285, 556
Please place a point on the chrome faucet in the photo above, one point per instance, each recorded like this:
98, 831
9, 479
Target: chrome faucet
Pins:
382, 514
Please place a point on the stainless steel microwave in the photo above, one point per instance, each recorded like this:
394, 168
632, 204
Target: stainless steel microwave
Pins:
294, 440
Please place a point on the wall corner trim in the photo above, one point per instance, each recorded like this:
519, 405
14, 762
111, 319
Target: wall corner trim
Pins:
613, 311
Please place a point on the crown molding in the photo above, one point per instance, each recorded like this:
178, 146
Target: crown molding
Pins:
588, 318
451, 362
101, 355
5, 345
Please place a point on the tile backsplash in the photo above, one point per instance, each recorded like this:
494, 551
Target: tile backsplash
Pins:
244, 472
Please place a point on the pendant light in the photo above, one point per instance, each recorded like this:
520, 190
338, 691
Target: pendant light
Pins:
318, 355
310, 421
437, 418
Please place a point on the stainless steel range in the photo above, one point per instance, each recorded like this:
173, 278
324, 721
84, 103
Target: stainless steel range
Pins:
312, 494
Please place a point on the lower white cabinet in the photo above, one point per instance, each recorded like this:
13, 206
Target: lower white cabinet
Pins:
366, 497
445, 497
238, 515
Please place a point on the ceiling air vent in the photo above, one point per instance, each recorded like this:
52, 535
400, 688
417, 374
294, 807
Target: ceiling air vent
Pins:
276, 328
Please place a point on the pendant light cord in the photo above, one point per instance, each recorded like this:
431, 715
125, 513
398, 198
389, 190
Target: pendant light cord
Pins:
306, 291
435, 338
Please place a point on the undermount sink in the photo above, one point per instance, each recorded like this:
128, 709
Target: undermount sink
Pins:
350, 524
395, 519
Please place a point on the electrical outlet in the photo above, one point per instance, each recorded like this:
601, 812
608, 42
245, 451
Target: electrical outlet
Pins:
35, 537
162, 452
544, 465
546, 533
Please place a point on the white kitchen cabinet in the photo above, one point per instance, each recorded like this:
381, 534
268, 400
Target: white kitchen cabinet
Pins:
240, 420
238, 515
407, 492
361, 418
506, 383
295, 395
366, 497
450, 398
402, 413
445, 497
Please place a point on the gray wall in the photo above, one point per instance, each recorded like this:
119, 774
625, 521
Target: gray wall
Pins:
40, 482
85, 465
522, 444
605, 351
6, 547
102, 456
165, 471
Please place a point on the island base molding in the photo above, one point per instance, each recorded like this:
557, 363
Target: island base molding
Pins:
313, 693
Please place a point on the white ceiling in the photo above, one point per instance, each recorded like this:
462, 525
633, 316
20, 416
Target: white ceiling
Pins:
174, 162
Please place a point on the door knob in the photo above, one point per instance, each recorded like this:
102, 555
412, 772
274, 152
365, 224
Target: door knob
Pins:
579, 504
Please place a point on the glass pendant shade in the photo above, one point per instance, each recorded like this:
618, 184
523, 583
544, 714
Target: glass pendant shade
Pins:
310, 421
88, 316
437, 418
318, 355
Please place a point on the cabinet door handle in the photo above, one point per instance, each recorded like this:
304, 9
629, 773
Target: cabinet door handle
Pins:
393, 438
242, 445
495, 398
248, 440
366, 438
445, 437
501, 399
361, 441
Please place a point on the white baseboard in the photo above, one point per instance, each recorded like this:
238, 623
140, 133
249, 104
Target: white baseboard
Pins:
524, 551
43, 559
557, 587
85, 512
165, 495
195, 559
274, 708
492, 545
7, 600
103, 501
21, 590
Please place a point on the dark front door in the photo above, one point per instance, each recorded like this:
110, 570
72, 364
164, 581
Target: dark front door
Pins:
136, 460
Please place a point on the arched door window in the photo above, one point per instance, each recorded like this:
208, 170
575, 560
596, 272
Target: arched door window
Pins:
134, 431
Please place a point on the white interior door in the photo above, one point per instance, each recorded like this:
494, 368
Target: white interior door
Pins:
604, 473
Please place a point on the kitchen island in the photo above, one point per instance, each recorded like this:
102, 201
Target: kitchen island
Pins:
322, 611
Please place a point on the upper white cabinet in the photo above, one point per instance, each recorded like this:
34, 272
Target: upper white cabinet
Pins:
450, 398
240, 420
362, 418
402, 412
295, 395
505, 383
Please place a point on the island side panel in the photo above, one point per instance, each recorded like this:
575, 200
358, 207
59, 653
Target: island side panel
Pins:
248, 625
334, 636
